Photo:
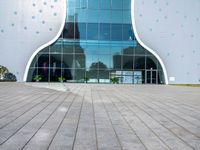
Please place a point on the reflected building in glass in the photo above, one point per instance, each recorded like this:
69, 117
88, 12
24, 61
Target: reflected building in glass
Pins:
97, 43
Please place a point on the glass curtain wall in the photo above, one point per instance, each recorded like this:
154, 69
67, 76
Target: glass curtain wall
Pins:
97, 44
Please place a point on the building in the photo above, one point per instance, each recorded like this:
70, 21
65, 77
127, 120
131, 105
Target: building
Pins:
97, 40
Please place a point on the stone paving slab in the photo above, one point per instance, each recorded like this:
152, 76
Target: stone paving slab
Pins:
53, 116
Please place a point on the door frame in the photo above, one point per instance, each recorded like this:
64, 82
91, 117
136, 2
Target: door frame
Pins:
151, 76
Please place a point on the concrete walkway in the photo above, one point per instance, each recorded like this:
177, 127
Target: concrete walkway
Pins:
99, 117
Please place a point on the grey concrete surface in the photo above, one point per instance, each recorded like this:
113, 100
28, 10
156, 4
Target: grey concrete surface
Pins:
98, 117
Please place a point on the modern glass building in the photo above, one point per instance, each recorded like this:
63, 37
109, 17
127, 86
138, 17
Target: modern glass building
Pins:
97, 43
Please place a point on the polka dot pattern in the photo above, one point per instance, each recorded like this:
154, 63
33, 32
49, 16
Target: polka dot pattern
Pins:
40, 11
165, 25
28, 25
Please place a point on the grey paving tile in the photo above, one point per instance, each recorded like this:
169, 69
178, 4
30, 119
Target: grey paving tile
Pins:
98, 116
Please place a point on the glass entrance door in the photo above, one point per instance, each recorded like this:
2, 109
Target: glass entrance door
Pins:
151, 77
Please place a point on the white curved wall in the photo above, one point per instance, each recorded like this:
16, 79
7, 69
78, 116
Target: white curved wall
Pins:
169, 27
172, 29
25, 26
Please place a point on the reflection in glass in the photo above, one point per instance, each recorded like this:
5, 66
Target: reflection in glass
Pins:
117, 4
92, 32
68, 61
93, 4
128, 62
44, 73
116, 32
97, 43
43, 60
82, 30
105, 4
105, 16
79, 61
139, 62
126, 4
116, 61
68, 47
56, 48
104, 33
79, 75
104, 61
55, 74
55, 60
117, 17
69, 31
127, 32
151, 62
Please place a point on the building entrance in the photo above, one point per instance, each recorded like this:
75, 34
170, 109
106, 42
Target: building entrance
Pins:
151, 77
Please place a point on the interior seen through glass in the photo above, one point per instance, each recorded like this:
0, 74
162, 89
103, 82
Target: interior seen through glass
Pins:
97, 44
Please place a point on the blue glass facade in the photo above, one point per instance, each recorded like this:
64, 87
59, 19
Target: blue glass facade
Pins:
97, 43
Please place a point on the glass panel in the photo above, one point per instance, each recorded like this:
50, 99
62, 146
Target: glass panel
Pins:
68, 32
79, 75
116, 61
83, 4
115, 50
77, 33
128, 51
56, 48
68, 47
154, 77
79, 49
67, 74
139, 50
128, 62
93, 16
81, 15
78, 5
92, 75
127, 17
104, 61
104, 76
117, 16
94, 4
92, 49
92, 61
161, 79
55, 61
148, 77
68, 61
35, 62
105, 4
55, 74
128, 32
82, 31
117, 4
43, 60
104, 49
139, 62
116, 32
45, 50
92, 32
104, 33
31, 74
105, 16
126, 4
151, 62
80, 61
70, 10
137, 77
44, 73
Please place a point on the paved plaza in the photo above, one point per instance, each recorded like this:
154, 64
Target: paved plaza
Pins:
98, 117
